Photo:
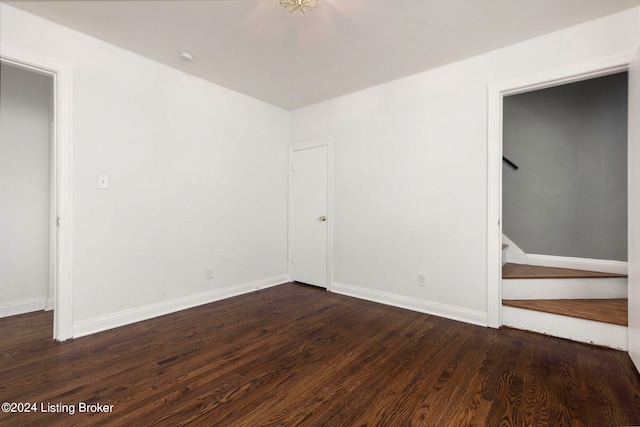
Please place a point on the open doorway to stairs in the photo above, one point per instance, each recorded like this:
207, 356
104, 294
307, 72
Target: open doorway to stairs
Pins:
61, 179
564, 210
566, 193
497, 93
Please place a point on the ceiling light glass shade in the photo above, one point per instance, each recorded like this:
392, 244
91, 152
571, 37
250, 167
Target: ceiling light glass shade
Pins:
299, 6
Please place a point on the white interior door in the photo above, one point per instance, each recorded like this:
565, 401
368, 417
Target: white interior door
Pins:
634, 210
310, 215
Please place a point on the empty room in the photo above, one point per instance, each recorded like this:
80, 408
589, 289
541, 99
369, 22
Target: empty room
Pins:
320, 212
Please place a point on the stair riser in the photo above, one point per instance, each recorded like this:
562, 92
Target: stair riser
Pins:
588, 331
564, 288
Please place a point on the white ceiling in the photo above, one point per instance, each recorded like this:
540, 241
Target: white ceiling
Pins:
255, 47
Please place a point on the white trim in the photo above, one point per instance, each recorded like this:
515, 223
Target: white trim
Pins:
20, 307
494, 207
573, 328
496, 92
138, 314
588, 264
328, 142
428, 307
633, 169
62, 176
53, 210
514, 253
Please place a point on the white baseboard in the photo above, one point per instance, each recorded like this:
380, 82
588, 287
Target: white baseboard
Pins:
515, 255
51, 304
601, 265
23, 306
428, 307
138, 314
582, 330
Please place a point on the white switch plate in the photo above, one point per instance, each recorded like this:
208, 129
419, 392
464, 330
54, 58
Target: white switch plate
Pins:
209, 273
422, 279
103, 182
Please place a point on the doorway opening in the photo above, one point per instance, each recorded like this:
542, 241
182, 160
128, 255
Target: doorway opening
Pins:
565, 191
28, 212
496, 94
61, 180
565, 211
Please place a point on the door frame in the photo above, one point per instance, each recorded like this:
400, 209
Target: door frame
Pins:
323, 142
496, 92
61, 250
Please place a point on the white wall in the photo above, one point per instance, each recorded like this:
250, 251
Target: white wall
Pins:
410, 169
197, 178
569, 196
198, 173
25, 100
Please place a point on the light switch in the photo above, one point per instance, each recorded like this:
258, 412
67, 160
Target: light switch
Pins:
103, 182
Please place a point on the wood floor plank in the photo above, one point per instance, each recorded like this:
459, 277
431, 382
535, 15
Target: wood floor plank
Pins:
297, 355
312, 392
412, 385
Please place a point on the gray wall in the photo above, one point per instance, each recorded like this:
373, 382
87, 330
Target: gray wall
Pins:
569, 197
25, 99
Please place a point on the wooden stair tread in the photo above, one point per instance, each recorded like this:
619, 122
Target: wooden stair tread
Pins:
613, 311
521, 271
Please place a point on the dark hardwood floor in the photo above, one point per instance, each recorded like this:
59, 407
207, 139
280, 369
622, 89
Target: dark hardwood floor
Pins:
297, 355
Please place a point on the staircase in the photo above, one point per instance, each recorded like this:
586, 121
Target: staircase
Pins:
581, 305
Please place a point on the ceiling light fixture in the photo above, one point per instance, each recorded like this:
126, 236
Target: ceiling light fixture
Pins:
300, 7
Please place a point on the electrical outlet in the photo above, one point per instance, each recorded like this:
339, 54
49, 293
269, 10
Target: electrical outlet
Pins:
422, 279
209, 273
103, 182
